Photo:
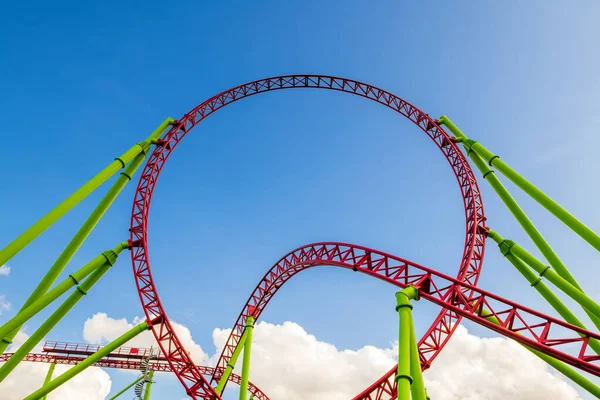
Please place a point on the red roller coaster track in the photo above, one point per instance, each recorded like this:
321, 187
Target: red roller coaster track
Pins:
160, 365
549, 335
435, 338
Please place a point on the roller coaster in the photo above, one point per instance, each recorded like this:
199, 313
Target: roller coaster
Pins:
562, 341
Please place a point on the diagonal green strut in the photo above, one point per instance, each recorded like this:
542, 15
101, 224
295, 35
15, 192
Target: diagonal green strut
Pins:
544, 200
541, 243
81, 366
136, 155
553, 362
80, 291
126, 388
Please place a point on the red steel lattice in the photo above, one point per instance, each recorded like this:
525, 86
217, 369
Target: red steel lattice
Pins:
160, 365
549, 335
87, 349
194, 382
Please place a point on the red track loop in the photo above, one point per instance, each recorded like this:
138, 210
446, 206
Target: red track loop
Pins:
158, 366
549, 335
443, 326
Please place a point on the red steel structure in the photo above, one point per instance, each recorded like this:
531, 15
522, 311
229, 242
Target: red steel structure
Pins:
196, 385
553, 340
549, 335
87, 349
124, 358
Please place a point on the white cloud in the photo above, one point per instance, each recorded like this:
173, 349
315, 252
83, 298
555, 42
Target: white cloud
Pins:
474, 368
4, 270
91, 384
289, 363
101, 329
4, 304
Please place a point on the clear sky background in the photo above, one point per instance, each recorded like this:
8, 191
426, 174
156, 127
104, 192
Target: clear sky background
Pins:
83, 81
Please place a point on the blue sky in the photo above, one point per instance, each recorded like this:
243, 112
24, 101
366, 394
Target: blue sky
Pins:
82, 82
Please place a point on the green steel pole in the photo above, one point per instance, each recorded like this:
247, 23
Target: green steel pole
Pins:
148, 384
511, 204
510, 247
132, 384
559, 212
403, 307
536, 282
9, 329
103, 352
55, 214
60, 312
246, 359
417, 388
91, 222
515, 209
231, 364
49, 376
556, 364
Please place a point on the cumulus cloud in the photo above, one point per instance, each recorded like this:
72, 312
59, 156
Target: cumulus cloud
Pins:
289, 363
91, 384
4, 304
4, 270
474, 368
101, 328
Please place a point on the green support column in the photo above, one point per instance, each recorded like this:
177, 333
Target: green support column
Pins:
246, 359
231, 364
404, 308
126, 388
9, 329
149, 383
59, 265
508, 247
537, 283
49, 376
64, 308
103, 352
55, 214
559, 212
515, 209
417, 389
556, 364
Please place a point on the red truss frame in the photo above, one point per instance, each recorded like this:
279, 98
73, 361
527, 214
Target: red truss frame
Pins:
549, 335
468, 272
160, 365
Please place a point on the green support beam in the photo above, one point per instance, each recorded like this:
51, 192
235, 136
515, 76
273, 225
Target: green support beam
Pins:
553, 362
246, 359
49, 377
538, 284
149, 383
404, 379
417, 389
77, 369
544, 200
126, 388
69, 303
136, 155
9, 329
510, 247
515, 209
231, 364
59, 211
